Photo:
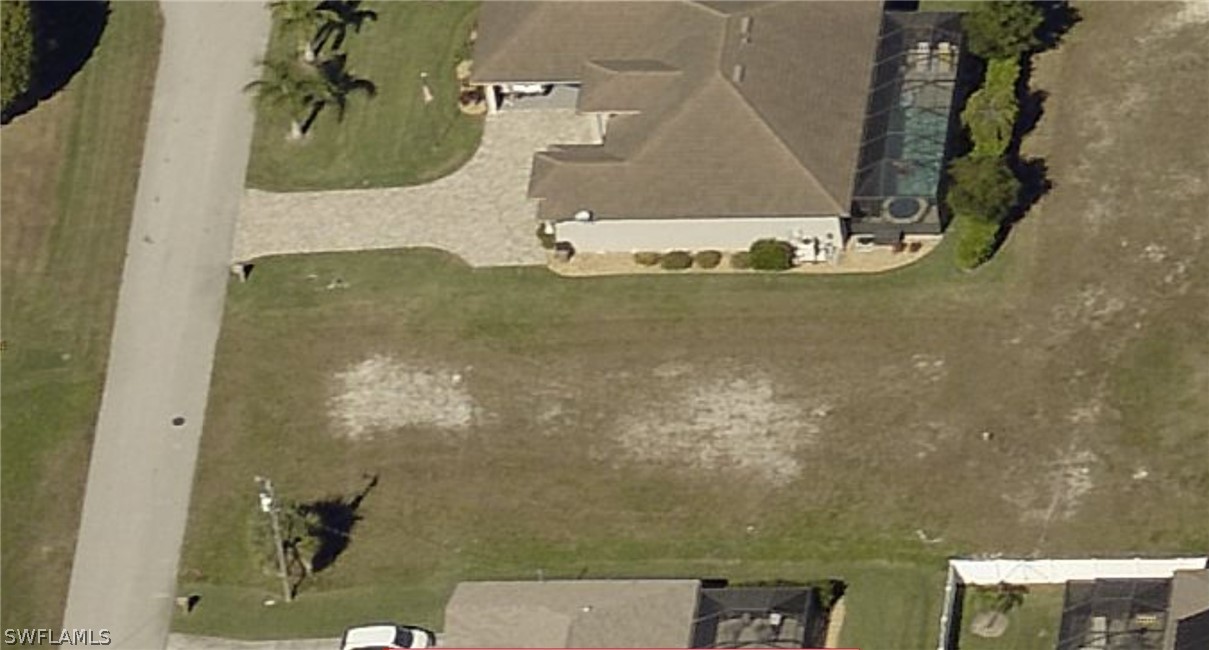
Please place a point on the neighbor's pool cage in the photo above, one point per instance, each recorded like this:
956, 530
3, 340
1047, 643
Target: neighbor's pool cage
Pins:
1114, 614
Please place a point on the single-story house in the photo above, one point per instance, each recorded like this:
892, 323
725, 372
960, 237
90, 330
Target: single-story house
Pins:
727, 122
631, 614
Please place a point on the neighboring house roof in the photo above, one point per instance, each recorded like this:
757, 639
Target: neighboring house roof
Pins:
728, 108
572, 614
1188, 614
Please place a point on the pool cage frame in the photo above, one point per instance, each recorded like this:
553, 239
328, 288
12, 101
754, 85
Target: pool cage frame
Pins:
1132, 614
908, 122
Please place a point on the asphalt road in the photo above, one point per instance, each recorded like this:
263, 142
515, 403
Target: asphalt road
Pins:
168, 316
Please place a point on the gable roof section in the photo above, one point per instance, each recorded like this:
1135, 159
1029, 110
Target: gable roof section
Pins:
740, 168
572, 614
806, 72
1188, 614
626, 85
551, 41
727, 109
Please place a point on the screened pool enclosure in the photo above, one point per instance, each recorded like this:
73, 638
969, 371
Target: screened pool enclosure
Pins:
907, 123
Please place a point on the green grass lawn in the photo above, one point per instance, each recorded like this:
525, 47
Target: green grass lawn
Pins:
389, 140
892, 607
69, 171
1034, 624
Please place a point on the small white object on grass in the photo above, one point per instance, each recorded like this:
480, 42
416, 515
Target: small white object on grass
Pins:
1140, 474
424, 89
986, 436
269, 602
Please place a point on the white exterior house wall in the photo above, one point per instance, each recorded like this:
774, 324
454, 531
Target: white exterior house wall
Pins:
723, 234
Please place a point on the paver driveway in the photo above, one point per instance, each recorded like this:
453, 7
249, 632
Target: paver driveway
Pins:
480, 212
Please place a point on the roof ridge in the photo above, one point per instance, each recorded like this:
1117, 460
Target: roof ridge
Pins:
733, 88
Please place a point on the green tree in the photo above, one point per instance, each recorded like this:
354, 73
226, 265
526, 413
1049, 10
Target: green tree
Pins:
303, 19
770, 255
982, 187
976, 239
301, 536
289, 86
991, 112
16, 50
1002, 29
302, 90
1001, 598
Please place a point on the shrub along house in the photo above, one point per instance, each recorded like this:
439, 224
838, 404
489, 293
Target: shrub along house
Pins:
728, 122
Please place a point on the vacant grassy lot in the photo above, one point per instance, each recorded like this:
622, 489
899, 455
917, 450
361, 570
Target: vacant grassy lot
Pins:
69, 172
779, 427
394, 138
1034, 624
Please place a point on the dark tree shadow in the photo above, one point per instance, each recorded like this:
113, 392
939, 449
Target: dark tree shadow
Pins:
337, 516
65, 35
1033, 173
1060, 17
1034, 184
349, 15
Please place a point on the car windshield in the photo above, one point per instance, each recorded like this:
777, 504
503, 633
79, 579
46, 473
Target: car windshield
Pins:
403, 638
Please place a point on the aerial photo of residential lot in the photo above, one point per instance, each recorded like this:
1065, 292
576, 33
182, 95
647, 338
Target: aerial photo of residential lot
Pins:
782, 324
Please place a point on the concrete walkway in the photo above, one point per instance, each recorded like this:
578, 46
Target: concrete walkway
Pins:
479, 212
168, 315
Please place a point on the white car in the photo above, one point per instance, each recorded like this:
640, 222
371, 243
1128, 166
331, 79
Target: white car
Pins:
386, 636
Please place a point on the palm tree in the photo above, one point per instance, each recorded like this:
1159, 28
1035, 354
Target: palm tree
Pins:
305, 18
335, 84
341, 15
304, 89
288, 85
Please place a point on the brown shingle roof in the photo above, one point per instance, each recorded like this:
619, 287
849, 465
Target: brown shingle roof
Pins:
572, 614
1189, 598
732, 109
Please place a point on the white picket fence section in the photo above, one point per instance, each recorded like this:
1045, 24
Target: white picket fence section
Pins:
1049, 572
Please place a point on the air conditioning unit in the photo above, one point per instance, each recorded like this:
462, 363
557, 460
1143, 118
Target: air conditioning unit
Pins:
583, 215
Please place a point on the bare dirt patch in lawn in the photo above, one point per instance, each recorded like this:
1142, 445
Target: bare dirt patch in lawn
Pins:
722, 423
382, 394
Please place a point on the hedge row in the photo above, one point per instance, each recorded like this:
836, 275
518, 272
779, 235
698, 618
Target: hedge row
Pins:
982, 188
16, 50
976, 239
990, 114
764, 255
679, 260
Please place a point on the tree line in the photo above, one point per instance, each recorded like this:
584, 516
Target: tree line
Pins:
984, 190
